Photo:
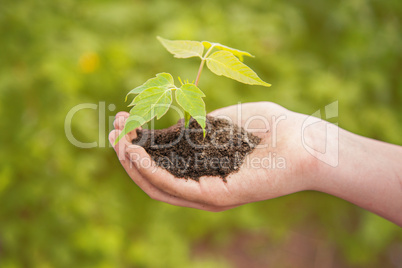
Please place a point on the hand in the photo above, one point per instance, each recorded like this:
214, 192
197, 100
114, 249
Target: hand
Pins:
280, 167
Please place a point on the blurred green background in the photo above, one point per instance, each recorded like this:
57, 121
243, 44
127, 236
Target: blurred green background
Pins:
64, 206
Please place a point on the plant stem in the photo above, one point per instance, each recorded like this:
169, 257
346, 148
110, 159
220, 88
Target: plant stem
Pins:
199, 72
187, 117
202, 64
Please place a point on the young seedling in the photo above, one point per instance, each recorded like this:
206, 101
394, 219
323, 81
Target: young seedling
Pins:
155, 95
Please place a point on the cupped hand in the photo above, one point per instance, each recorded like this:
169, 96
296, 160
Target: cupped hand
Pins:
280, 165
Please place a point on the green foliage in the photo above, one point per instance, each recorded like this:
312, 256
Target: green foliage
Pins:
226, 61
155, 95
226, 64
189, 96
238, 53
163, 80
154, 99
65, 206
183, 48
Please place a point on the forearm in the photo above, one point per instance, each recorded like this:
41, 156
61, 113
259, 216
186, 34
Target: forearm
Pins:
368, 174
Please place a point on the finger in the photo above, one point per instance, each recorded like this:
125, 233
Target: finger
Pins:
120, 120
146, 186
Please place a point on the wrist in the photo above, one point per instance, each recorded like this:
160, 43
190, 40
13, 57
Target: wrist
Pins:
366, 174
322, 143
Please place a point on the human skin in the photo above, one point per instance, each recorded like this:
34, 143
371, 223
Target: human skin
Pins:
362, 171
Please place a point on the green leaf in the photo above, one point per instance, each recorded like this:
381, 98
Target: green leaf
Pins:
132, 122
226, 64
183, 48
189, 97
238, 53
154, 101
163, 80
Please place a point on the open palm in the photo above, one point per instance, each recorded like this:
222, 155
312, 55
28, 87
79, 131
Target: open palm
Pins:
278, 166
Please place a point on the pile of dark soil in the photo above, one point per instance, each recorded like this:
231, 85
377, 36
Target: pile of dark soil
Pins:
186, 153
